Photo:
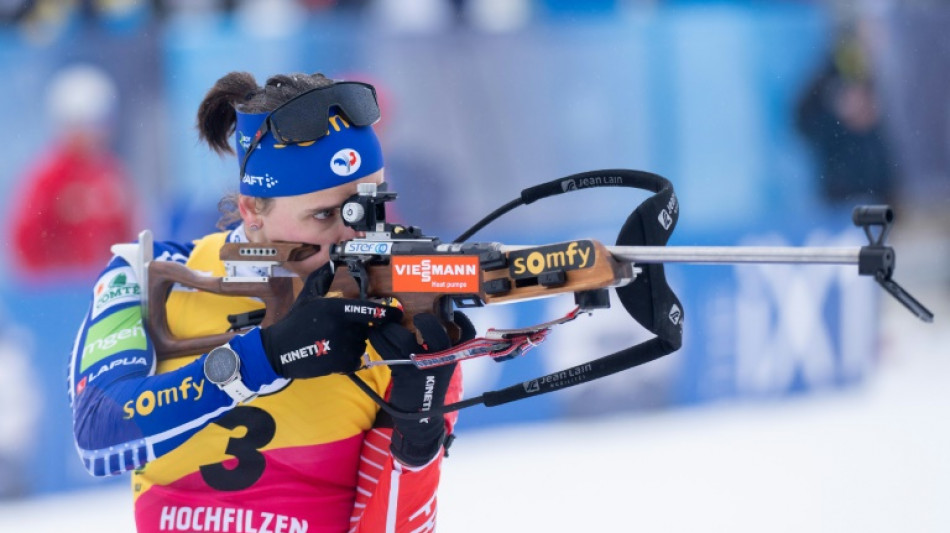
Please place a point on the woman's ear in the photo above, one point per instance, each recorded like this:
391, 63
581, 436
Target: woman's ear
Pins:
248, 208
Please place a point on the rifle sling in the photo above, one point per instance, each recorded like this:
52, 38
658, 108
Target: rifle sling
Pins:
649, 298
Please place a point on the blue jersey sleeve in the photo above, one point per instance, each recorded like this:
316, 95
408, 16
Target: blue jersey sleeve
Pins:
125, 415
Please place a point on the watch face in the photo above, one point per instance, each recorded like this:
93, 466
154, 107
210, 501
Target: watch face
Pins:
221, 365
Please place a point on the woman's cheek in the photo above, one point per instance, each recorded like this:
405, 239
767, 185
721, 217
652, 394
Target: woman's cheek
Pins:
326, 238
310, 264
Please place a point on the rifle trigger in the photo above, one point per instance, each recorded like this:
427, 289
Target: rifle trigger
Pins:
358, 270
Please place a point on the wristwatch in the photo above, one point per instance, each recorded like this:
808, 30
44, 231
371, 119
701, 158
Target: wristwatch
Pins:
223, 368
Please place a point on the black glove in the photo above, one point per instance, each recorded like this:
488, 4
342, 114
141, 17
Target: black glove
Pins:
416, 442
321, 336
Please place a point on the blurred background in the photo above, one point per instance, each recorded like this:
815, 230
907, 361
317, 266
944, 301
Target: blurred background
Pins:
771, 118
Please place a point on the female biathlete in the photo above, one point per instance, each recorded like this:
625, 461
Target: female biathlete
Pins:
265, 433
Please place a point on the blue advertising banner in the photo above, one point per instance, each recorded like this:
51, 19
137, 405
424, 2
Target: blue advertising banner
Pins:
40, 322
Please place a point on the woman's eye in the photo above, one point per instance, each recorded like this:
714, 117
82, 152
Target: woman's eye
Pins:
324, 215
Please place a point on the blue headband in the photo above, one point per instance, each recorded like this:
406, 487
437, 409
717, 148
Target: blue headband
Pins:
345, 154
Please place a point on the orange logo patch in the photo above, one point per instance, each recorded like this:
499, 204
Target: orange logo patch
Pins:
435, 273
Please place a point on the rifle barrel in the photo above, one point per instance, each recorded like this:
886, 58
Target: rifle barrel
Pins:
737, 254
841, 255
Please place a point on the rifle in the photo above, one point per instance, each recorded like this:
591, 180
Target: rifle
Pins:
427, 275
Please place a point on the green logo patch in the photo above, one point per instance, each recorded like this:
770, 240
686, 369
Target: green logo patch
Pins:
114, 289
116, 333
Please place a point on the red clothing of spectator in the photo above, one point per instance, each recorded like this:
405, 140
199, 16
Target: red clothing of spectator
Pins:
75, 205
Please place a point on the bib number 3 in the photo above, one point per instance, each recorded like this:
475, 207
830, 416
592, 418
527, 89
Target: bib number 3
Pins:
247, 449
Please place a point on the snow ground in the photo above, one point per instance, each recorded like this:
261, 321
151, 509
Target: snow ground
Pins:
875, 458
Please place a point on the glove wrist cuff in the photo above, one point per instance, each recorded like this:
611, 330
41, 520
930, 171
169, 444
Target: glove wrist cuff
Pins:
256, 370
413, 452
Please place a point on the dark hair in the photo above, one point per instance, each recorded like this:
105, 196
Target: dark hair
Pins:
238, 91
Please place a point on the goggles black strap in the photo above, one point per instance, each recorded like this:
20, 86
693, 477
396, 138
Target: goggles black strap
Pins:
261, 131
649, 298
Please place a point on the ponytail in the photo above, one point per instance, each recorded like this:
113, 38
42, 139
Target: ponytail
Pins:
216, 115
239, 90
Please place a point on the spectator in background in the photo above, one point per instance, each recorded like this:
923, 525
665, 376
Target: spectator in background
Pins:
838, 114
75, 201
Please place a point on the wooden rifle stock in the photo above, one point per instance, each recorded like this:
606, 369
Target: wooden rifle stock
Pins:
276, 292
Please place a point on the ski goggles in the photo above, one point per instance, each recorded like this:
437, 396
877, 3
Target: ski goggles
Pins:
304, 118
